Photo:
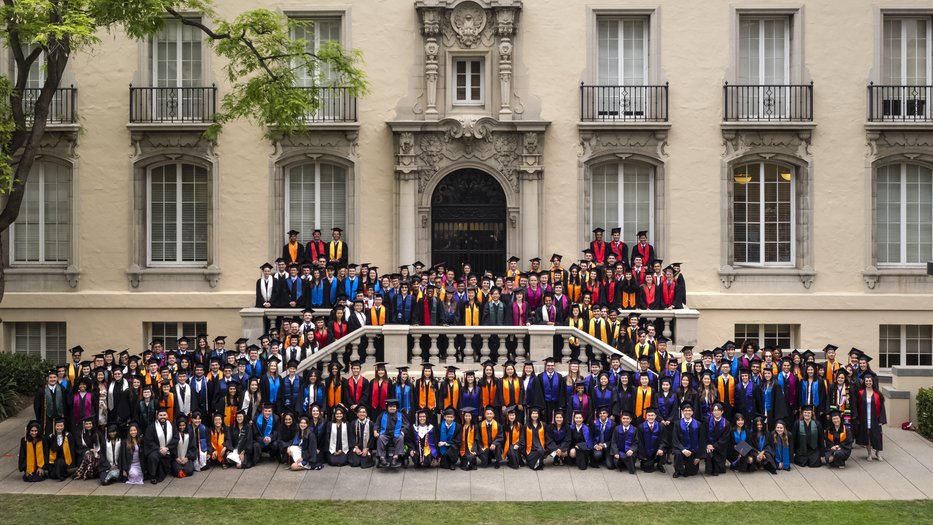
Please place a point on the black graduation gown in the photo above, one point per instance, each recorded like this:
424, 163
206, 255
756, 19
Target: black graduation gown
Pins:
718, 437
286, 254
157, 465
275, 298
687, 440
650, 440
364, 440
808, 443
837, 437
118, 454
865, 434
190, 452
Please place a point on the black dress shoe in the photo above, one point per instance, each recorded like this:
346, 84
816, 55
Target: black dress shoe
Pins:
660, 468
677, 474
153, 481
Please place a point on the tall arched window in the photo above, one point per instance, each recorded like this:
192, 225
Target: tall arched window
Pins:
178, 212
622, 195
904, 220
42, 231
763, 205
316, 197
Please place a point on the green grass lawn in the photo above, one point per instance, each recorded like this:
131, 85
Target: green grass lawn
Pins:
45, 510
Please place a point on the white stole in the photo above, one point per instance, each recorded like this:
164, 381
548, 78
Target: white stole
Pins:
164, 437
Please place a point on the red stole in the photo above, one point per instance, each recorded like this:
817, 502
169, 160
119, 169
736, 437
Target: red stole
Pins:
599, 251
650, 294
356, 389
667, 292
340, 330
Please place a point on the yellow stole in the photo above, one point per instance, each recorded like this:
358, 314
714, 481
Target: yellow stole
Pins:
513, 436
217, 441
452, 399
471, 315
578, 324
488, 394
485, 435
642, 401
335, 249
510, 391
467, 439
377, 316
641, 350
426, 395
603, 335
35, 457
529, 437
66, 451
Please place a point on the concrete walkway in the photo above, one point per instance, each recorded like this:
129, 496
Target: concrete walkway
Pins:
906, 473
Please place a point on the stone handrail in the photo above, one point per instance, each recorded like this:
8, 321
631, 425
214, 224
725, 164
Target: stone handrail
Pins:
395, 343
685, 333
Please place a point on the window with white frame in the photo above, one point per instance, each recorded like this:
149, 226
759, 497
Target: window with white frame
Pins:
171, 331
779, 335
178, 211
316, 32
904, 214
42, 231
316, 197
176, 63
763, 64
333, 101
45, 340
468, 82
763, 203
910, 345
622, 66
622, 195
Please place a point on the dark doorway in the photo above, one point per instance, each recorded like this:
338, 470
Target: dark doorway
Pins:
468, 209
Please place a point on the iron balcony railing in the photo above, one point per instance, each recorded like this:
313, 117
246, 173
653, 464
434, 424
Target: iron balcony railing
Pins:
61, 109
899, 103
335, 104
623, 103
172, 104
768, 103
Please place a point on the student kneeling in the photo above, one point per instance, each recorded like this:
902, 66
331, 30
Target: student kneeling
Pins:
422, 444
185, 452
338, 438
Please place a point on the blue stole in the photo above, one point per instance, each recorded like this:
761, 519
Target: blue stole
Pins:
665, 405
265, 428
447, 434
651, 436
384, 422
469, 399
402, 394
274, 389
603, 397
691, 434
601, 428
333, 289
296, 286
628, 438
550, 387
814, 387
350, 286
291, 391
317, 294
768, 398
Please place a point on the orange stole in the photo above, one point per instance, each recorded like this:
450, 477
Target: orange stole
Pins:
468, 436
229, 414
836, 439
484, 436
642, 401
293, 251
452, 397
377, 316
529, 437
512, 437
628, 300
722, 393
169, 405
334, 393
511, 388
488, 395
217, 441
427, 396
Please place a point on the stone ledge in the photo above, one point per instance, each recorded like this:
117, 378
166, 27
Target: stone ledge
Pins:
71, 273
912, 371
873, 275
728, 274
135, 273
893, 393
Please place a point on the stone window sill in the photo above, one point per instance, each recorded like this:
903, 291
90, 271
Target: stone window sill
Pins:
728, 274
873, 275
71, 273
135, 274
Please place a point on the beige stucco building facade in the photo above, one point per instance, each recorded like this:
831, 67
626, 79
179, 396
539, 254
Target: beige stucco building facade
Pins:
495, 85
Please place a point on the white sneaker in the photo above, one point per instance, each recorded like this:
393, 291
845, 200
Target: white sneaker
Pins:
869, 457
877, 455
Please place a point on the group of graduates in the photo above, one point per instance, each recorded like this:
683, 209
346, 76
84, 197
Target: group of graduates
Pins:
745, 409
591, 295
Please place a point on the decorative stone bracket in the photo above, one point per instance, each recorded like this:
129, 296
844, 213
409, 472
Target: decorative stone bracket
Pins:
872, 276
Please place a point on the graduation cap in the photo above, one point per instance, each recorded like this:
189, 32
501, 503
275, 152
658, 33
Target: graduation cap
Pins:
865, 357
293, 232
667, 379
534, 260
468, 410
806, 407
588, 251
418, 264
688, 348
855, 351
220, 339
510, 409
514, 259
616, 230
807, 355
76, 350
642, 233
743, 448
628, 413
598, 230
336, 229
266, 266
729, 343
556, 256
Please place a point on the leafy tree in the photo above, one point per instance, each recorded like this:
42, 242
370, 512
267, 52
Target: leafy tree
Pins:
262, 60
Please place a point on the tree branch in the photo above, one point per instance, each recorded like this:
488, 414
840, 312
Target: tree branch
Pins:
194, 23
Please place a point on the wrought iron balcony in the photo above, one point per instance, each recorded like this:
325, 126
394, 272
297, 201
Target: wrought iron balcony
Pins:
177, 105
335, 104
623, 103
899, 103
61, 109
768, 103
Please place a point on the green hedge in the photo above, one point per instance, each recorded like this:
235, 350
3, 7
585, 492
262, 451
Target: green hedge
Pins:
925, 412
19, 375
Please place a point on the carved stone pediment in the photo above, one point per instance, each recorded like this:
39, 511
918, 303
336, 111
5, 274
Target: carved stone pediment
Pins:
430, 148
912, 144
738, 142
650, 143
148, 141
340, 143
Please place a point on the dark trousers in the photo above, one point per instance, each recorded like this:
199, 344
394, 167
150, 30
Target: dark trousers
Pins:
535, 460
386, 441
626, 462
450, 458
356, 460
582, 456
337, 460
487, 457
603, 457
685, 466
651, 463
716, 463
157, 465
187, 469
810, 459
468, 461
